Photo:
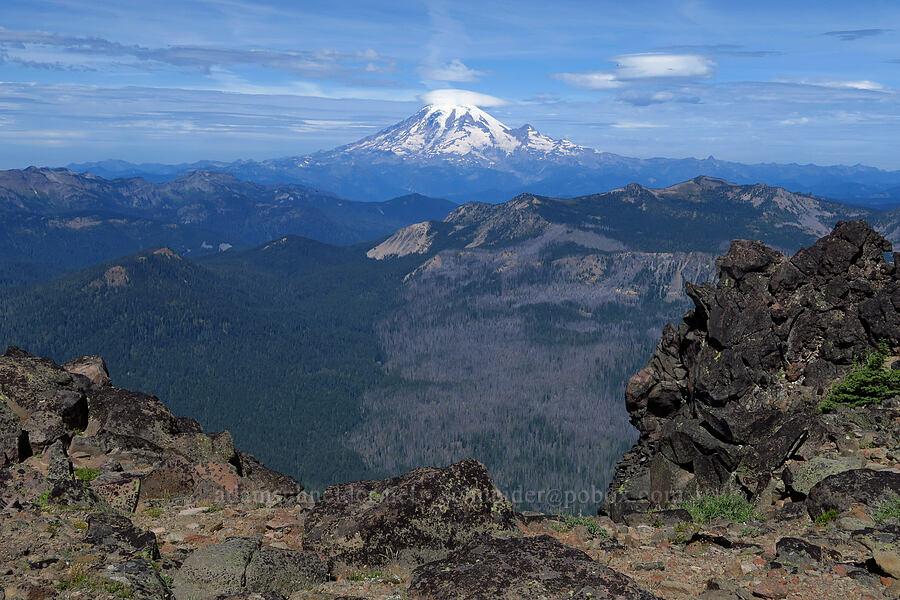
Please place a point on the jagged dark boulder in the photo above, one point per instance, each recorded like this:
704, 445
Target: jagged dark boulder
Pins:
492, 568
731, 394
412, 519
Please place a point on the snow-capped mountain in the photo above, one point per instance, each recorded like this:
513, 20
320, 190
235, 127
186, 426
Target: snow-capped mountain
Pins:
460, 134
462, 153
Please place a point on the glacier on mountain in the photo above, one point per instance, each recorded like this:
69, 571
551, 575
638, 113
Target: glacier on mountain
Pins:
456, 131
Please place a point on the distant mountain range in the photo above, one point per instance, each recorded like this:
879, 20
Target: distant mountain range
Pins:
60, 218
702, 214
464, 154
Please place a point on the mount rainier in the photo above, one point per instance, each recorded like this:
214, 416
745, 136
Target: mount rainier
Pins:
465, 134
463, 153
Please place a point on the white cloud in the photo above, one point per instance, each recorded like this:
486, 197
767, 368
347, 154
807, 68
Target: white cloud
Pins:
462, 97
589, 80
800, 121
454, 70
653, 65
634, 67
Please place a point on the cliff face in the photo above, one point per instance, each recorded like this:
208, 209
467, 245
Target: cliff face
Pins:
731, 394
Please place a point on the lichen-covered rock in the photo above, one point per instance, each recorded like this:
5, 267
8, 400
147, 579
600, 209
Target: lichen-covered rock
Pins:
513, 568
270, 485
126, 447
411, 519
118, 490
132, 419
116, 533
798, 552
864, 486
242, 566
92, 367
730, 395
39, 388
14, 445
137, 578
805, 475
216, 569
284, 571
59, 466
70, 493
125, 434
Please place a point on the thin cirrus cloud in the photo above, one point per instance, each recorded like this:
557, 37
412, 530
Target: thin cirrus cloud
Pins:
454, 71
735, 50
27, 47
637, 67
643, 98
861, 84
849, 35
589, 80
635, 125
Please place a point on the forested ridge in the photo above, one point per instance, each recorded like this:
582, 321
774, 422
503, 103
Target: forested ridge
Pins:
505, 333
277, 355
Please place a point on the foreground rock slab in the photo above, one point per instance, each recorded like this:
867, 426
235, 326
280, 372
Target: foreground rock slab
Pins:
242, 565
514, 568
412, 519
838, 492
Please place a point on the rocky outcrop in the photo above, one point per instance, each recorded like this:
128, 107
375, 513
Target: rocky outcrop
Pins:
729, 399
535, 567
72, 415
411, 519
78, 456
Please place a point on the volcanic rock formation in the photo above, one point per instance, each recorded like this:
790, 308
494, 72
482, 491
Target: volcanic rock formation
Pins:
729, 400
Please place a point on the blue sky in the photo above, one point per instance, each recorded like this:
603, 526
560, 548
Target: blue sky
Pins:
174, 81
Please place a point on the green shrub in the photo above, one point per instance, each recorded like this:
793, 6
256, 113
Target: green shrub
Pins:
826, 517
729, 506
43, 500
87, 474
869, 382
592, 526
889, 509
362, 576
